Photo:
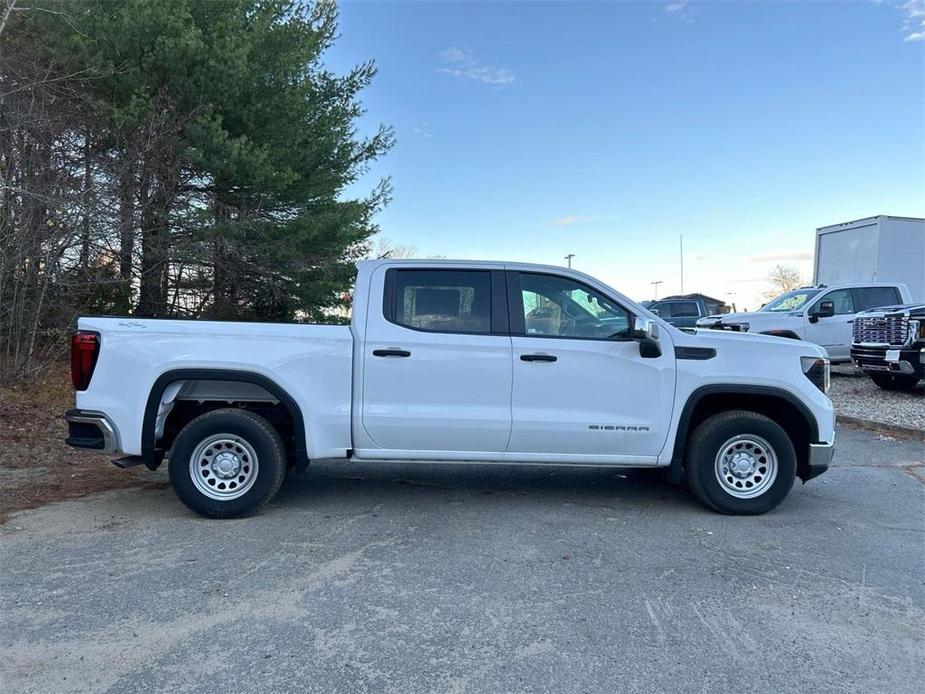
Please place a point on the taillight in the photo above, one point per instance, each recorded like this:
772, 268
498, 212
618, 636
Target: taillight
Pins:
85, 347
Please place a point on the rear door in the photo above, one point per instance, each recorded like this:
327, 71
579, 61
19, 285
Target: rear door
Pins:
582, 391
437, 363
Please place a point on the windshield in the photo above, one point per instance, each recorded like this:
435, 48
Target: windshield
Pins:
790, 301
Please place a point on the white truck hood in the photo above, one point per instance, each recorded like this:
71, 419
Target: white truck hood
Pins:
752, 343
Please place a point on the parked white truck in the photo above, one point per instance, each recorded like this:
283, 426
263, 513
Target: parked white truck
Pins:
454, 361
823, 315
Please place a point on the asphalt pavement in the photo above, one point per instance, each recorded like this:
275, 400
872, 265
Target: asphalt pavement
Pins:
452, 578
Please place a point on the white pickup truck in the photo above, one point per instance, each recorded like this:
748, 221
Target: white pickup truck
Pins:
822, 314
468, 362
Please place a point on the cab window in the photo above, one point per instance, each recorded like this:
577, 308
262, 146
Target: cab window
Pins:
875, 297
560, 307
843, 300
678, 309
457, 301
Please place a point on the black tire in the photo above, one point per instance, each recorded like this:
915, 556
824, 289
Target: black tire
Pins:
891, 381
713, 436
253, 432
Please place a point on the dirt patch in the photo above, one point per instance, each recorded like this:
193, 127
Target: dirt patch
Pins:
36, 467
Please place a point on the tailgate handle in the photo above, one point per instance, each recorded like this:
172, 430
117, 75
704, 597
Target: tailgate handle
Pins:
391, 353
537, 357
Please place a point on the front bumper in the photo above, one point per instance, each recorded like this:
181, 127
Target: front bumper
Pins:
908, 361
820, 457
92, 431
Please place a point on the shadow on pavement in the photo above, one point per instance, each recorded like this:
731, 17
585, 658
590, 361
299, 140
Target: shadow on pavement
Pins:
478, 484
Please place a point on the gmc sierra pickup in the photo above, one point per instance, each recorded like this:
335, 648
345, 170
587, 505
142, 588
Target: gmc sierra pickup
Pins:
481, 362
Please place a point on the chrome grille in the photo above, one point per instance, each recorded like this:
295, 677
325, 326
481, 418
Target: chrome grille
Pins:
881, 330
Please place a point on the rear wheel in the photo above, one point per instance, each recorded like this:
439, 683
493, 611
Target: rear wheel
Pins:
741, 463
890, 381
227, 463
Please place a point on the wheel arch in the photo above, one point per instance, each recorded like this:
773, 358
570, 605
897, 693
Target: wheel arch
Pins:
776, 403
152, 455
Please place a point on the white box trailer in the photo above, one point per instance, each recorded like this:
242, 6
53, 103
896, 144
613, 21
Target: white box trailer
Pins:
875, 249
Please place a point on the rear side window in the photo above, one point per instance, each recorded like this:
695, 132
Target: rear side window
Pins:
677, 309
875, 297
457, 301
684, 309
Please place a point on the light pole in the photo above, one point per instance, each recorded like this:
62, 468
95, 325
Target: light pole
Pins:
568, 259
656, 283
682, 263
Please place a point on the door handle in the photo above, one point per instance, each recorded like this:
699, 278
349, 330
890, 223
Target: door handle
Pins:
538, 357
391, 353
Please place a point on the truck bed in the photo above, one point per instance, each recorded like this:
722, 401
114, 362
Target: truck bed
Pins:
313, 361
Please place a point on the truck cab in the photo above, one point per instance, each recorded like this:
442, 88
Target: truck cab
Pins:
819, 314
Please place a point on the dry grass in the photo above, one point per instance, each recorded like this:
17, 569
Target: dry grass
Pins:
36, 467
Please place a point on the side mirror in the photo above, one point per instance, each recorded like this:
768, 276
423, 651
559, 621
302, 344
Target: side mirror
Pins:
825, 309
645, 332
656, 311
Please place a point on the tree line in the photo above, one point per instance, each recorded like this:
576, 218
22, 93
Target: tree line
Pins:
176, 158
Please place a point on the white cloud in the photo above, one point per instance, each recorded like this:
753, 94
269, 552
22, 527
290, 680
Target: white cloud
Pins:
461, 63
780, 256
422, 129
570, 219
682, 9
913, 17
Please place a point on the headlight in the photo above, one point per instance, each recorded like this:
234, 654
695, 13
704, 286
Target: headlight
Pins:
817, 370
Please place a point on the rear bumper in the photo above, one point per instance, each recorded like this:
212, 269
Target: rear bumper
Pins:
820, 457
92, 431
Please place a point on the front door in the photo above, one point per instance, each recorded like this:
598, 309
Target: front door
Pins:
437, 364
582, 391
833, 333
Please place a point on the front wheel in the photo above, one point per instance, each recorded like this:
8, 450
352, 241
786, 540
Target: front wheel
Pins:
891, 381
227, 463
740, 463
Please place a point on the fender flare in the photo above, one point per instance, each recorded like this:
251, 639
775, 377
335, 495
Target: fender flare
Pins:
149, 452
683, 430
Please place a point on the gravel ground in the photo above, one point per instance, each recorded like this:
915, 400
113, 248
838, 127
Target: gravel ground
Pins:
451, 578
856, 395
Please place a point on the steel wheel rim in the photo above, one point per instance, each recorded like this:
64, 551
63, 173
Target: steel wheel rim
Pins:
223, 467
746, 466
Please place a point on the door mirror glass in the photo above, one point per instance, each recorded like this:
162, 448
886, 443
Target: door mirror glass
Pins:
645, 328
645, 331
825, 309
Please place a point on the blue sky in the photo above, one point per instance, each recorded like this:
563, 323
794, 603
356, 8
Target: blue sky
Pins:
529, 130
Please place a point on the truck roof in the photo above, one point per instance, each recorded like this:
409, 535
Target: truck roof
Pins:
511, 265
